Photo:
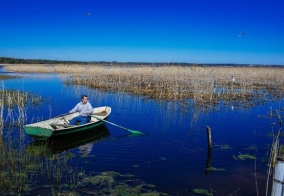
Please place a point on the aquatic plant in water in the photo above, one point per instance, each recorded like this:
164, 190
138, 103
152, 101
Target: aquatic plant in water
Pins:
246, 156
201, 192
225, 147
113, 183
35, 169
215, 169
252, 147
235, 157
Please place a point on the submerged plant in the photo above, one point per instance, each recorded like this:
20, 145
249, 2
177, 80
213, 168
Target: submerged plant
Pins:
202, 192
235, 157
225, 147
246, 156
113, 183
252, 147
215, 169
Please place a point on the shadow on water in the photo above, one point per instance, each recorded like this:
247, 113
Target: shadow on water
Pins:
57, 145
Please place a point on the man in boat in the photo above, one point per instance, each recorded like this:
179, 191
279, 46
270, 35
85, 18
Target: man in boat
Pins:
85, 110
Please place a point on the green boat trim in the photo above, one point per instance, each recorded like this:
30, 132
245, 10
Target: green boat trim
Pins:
59, 127
57, 145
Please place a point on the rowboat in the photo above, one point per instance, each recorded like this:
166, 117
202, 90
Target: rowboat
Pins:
59, 126
61, 144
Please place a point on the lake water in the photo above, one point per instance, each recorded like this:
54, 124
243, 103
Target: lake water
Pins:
173, 155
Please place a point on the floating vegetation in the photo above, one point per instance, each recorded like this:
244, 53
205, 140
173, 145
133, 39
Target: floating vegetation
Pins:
235, 157
24, 170
113, 183
225, 147
19, 167
246, 156
252, 147
202, 192
215, 169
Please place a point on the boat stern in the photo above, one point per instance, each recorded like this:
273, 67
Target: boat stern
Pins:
38, 133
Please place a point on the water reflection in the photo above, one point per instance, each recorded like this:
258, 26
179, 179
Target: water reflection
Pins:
84, 142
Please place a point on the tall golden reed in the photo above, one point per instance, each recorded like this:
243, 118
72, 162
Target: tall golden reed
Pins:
204, 85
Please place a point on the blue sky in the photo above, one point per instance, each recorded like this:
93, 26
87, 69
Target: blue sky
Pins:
192, 31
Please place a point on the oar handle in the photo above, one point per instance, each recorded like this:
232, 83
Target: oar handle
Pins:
110, 122
134, 132
61, 115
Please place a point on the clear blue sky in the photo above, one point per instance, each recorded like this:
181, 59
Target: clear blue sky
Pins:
202, 31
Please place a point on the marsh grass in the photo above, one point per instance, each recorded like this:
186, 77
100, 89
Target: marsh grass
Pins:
13, 104
206, 86
7, 77
13, 158
26, 169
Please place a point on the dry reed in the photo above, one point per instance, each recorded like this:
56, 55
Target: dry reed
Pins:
207, 86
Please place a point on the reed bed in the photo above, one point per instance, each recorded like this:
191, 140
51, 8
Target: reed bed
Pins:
23, 170
206, 86
13, 105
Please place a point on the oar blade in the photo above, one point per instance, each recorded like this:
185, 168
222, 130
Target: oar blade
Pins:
135, 132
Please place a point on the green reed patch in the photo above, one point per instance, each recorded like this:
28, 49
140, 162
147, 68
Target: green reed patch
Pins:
225, 147
113, 183
215, 169
246, 156
251, 147
235, 157
201, 192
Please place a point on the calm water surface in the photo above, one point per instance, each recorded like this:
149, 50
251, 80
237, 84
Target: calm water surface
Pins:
173, 155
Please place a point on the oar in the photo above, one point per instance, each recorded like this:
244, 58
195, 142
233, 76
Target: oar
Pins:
132, 131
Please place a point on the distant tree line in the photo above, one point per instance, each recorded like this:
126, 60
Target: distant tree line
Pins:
7, 60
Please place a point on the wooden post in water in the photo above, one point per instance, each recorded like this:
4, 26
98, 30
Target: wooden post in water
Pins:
209, 138
207, 168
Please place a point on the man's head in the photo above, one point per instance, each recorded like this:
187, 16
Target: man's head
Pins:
84, 99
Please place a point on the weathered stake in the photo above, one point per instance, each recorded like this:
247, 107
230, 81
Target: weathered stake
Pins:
209, 138
207, 168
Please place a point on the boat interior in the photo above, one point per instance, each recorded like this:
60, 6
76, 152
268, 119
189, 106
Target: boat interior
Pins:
62, 122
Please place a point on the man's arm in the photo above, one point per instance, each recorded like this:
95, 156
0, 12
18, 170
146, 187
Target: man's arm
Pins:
89, 109
75, 109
